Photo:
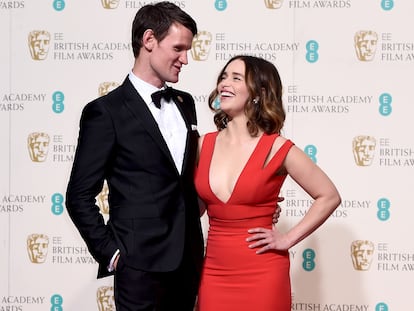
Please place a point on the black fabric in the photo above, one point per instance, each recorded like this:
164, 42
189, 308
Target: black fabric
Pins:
166, 93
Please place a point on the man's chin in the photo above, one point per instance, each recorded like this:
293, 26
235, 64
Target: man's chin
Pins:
173, 79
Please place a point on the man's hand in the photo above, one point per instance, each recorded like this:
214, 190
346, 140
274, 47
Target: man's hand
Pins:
116, 261
278, 210
268, 239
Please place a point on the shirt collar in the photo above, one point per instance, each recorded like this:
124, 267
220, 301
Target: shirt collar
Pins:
143, 88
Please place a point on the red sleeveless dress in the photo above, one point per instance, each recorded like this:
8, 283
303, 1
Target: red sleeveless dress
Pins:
234, 277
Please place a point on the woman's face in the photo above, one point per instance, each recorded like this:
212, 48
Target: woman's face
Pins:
232, 88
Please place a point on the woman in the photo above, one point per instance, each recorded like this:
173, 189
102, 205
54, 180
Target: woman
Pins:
240, 171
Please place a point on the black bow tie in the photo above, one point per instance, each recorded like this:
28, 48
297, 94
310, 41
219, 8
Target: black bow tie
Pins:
166, 93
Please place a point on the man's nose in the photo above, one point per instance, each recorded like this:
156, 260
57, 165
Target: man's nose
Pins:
184, 58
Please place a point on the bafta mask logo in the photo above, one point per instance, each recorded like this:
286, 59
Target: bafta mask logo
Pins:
365, 45
38, 145
362, 252
105, 87
273, 4
102, 199
201, 45
363, 148
110, 4
37, 247
39, 41
105, 298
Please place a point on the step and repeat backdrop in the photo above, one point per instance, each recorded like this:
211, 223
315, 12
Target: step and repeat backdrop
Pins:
348, 69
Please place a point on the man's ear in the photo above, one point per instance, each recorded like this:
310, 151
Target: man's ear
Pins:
148, 39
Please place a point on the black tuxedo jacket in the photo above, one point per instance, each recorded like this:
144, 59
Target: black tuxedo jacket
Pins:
154, 214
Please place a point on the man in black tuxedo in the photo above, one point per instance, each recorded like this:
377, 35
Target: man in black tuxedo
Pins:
146, 151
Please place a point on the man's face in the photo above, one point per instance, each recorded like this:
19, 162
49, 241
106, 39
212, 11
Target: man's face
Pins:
39, 148
168, 55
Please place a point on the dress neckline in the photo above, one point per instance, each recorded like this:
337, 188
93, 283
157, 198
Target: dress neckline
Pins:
255, 150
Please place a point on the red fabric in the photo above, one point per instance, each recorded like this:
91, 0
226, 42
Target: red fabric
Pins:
235, 277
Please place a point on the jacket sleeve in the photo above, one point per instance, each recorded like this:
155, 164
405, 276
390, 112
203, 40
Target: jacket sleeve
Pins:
92, 156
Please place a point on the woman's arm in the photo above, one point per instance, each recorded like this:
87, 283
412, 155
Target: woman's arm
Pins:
319, 186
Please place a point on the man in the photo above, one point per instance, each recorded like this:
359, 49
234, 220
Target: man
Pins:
152, 241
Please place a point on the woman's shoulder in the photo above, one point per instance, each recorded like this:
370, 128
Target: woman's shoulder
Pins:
207, 135
281, 140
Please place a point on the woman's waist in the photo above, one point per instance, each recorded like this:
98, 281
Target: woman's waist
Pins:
234, 254
241, 225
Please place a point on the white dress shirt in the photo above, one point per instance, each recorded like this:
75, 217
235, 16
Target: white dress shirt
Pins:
169, 120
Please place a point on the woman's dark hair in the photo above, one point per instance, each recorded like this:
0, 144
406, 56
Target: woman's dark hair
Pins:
159, 17
264, 108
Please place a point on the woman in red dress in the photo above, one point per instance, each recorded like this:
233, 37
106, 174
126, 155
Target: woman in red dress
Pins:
241, 169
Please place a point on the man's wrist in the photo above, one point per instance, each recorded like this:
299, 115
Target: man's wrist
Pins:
114, 261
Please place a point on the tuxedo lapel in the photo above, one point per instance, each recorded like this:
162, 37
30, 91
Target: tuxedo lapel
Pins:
143, 115
179, 102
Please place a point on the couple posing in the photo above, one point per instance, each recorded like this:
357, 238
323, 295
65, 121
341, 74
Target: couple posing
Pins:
158, 169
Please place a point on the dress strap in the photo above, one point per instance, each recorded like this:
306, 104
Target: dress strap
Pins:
206, 150
266, 144
208, 142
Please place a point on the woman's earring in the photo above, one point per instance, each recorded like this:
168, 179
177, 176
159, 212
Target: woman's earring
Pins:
216, 104
256, 100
